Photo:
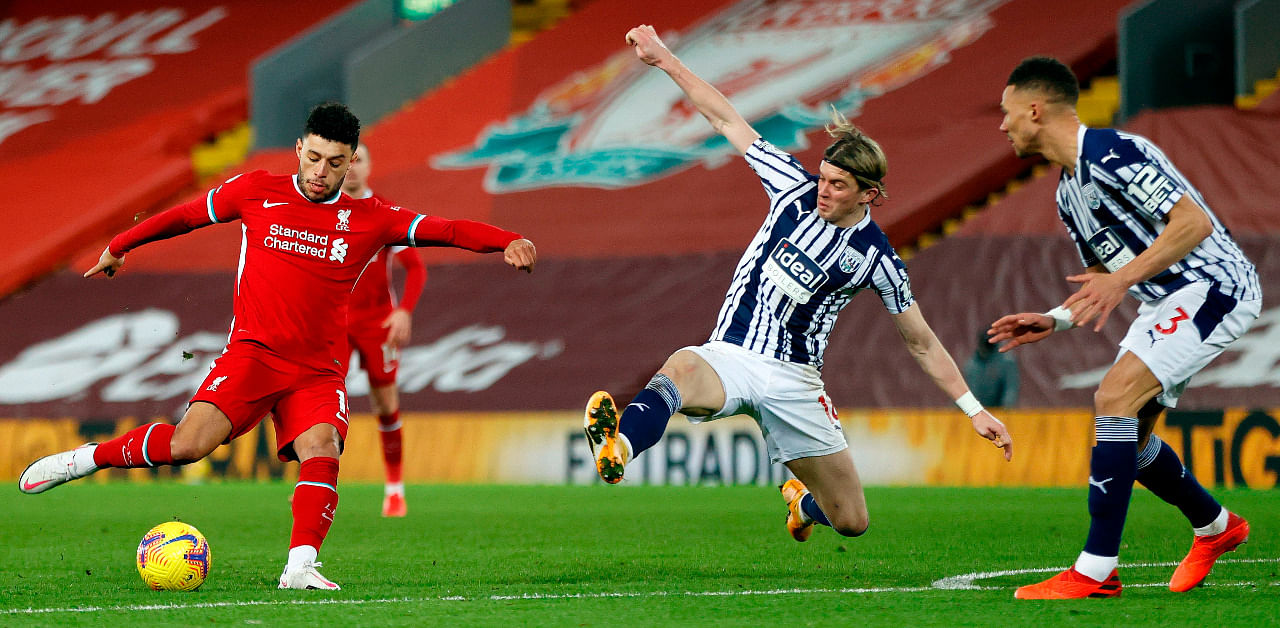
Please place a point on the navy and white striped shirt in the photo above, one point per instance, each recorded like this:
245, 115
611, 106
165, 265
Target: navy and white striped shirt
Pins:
1114, 206
800, 270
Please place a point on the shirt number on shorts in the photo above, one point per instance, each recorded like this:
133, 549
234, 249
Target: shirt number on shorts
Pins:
830, 409
1173, 322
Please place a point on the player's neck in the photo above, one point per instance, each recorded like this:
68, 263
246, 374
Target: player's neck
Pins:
1061, 143
362, 192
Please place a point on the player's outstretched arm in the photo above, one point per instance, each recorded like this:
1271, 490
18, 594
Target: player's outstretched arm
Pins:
707, 99
1186, 226
935, 360
167, 224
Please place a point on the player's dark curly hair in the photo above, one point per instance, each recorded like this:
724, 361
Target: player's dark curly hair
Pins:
856, 153
334, 122
1048, 75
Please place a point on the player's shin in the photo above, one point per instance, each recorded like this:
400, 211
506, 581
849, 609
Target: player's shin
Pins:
1162, 472
645, 419
315, 500
1112, 469
144, 446
392, 443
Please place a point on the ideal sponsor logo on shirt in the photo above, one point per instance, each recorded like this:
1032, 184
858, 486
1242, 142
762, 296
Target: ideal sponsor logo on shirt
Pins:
793, 271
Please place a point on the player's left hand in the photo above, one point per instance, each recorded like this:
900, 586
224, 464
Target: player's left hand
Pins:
521, 254
108, 264
990, 428
398, 324
1098, 295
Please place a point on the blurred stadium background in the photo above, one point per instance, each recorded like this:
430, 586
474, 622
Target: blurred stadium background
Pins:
535, 116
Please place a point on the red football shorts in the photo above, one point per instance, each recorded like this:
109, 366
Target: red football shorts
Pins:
248, 381
376, 356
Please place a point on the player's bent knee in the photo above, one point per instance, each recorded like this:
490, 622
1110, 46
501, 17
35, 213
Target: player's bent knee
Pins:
852, 526
187, 451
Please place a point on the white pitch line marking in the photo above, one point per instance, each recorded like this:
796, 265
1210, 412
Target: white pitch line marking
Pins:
965, 582
962, 582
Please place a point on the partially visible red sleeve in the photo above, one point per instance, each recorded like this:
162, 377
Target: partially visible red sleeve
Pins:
415, 278
464, 234
171, 222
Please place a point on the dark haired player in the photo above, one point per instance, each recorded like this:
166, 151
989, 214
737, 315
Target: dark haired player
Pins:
303, 247
817, 248
1142, 228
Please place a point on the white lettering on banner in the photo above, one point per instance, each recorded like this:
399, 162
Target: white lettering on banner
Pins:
127, 45
68, 365
1256, 363
471, 359
73, 37
143, 359
11, 123
88, 81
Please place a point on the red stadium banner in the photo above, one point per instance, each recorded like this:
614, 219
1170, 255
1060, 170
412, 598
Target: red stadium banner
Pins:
487, 338
76, 68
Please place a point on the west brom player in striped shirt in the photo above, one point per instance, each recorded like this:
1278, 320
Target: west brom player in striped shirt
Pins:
1141, 227
816, 249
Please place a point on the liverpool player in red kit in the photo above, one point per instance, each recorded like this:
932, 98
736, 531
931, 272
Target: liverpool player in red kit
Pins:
304, 245
378, 325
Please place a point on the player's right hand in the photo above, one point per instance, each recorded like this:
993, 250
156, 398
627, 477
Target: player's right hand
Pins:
1020, 329
648, 47
108, 264
521, 254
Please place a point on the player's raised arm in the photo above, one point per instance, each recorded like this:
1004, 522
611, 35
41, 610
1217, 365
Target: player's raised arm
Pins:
934, 359
707, 99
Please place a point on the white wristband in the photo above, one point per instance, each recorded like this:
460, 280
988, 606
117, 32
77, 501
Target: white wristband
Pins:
1061, 318
968, 404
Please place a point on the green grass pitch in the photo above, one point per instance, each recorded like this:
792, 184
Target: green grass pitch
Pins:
600, 555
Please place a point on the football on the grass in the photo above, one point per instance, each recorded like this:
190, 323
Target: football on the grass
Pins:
173, 556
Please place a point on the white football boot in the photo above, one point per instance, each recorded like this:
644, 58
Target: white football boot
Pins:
305, 576
59, 468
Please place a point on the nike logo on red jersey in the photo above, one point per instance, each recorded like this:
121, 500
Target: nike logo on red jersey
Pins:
267, 205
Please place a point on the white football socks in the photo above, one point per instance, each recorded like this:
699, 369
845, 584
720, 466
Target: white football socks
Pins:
1218, 526
300, 555
82, 458
1096, 567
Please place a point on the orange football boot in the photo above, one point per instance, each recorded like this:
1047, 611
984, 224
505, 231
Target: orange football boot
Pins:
792, 492
1070, 585
601, 425
393, 505
1205, 550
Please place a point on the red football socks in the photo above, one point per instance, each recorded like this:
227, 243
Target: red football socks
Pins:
141, 447
389, 430
315, 500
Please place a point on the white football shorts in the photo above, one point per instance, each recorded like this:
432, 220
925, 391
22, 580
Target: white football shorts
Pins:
788, 401
1179, 334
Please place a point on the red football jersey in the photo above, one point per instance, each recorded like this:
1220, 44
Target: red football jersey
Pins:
299, 259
